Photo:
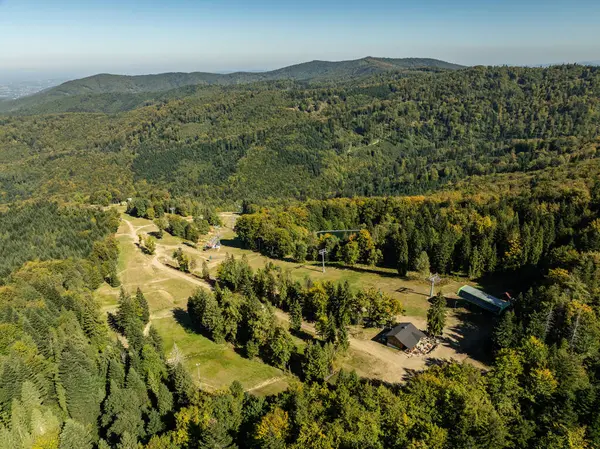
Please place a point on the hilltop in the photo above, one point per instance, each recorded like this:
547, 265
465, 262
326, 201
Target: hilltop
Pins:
76, 95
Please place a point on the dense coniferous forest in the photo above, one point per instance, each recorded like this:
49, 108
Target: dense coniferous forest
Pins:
65, 382
484, 172
44, 231
473, 235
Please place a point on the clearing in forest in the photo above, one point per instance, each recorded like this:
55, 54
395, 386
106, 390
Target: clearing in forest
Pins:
215, 366
166, 289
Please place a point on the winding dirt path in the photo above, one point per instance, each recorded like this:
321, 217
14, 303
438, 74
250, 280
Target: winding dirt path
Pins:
266, 383
380, 361
156, 263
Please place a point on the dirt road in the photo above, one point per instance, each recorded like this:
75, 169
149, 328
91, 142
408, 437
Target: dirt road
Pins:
156, 263
370, 358
386, 363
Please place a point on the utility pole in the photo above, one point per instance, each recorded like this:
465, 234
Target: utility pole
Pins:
434, 278
198, 371
322, 253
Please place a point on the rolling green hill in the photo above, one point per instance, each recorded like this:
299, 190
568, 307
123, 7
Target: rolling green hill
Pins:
386, 135
113, 93
360, 67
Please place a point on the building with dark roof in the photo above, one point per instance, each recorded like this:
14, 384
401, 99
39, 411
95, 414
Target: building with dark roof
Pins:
482, 299
404, 336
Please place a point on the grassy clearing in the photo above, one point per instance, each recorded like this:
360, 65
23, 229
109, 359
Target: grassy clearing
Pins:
219, 365
271, 388
359, 361
165, 291
413, 293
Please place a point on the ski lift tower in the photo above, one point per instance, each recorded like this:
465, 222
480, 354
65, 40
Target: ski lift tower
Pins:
434, 279
322, 254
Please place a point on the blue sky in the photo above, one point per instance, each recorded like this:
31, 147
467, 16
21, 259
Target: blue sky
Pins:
148, 36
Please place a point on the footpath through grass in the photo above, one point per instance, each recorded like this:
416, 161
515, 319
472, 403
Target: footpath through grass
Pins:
215, 366
167, 295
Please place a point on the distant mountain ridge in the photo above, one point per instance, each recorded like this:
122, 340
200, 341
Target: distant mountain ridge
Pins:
105, 83
314, 70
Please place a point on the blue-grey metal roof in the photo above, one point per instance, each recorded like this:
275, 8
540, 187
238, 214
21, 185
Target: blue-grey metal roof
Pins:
482, 299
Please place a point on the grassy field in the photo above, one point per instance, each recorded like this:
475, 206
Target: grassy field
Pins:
412, 292
216, 366
167, 292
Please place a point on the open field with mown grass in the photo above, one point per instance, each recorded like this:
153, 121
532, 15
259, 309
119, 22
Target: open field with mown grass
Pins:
218, 364
412, 292
167, 291
215, 366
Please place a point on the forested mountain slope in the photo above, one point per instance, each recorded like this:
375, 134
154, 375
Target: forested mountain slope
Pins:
103, 84
65, 382
388, 134
46, 231
515, 153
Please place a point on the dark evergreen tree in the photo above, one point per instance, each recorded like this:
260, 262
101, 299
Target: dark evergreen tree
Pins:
402, 253
506, 333
436, 316
142, 306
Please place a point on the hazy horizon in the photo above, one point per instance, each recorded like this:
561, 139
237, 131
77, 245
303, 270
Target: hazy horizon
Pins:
23, 75
77, 39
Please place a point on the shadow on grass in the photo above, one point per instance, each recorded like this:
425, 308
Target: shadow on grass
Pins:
241, 351
301, 334
314, 267
184, 320
212, 282
232, 243
360, 269
381, 383
410, 291
435, 361
192, 275
295, 364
